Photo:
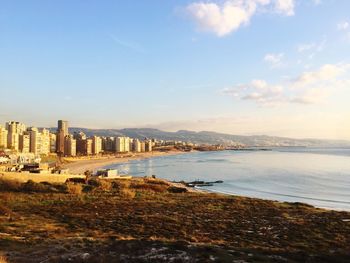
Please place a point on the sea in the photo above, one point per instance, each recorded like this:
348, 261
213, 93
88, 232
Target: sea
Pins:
316, 176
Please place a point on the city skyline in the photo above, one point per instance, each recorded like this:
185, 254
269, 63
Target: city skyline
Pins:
274, 67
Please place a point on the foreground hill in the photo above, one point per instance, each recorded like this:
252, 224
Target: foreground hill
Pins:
149, 220
211, 137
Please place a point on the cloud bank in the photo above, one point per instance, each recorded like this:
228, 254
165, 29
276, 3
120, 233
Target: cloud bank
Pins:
311, 87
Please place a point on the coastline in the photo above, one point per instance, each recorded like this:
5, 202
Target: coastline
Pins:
78, 165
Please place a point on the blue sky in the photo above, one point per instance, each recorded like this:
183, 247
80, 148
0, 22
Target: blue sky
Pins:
276, 67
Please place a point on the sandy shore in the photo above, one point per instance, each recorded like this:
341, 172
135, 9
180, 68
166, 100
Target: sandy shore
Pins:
79, 165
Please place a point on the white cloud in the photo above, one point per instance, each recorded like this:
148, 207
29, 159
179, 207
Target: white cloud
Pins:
325, 73
310, 87
229, 16
343, 25
285, 7
275, 60
259, 91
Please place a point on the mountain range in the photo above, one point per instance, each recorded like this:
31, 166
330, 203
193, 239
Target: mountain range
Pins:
207, 137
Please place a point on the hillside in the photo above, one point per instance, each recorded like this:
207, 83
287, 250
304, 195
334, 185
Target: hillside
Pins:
210, 137
150, 220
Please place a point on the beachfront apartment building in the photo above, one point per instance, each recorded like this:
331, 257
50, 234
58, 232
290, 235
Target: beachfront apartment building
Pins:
3, 137
122, 144
136, 145
32, 140
108, 144
70, 147
148, 145
96, 145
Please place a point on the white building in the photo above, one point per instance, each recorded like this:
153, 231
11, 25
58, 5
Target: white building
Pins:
122, 144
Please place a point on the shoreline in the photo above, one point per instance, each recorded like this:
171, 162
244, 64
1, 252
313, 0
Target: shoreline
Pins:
78, 165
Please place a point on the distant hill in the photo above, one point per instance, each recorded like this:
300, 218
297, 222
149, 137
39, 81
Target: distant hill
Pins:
209, 137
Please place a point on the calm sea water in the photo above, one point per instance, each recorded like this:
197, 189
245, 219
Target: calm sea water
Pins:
320, 177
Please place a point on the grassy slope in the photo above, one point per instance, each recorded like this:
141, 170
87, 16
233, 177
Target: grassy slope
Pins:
143, 222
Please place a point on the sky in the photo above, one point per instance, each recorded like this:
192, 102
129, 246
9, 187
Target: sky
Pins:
274, 67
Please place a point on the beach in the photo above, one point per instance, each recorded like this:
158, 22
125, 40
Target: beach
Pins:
78, 165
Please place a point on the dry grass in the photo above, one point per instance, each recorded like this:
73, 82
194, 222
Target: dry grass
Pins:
105, 185
50, 223
75, 189
127, 193
4, 210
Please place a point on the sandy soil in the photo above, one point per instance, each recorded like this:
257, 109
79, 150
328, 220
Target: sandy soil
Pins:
80, 164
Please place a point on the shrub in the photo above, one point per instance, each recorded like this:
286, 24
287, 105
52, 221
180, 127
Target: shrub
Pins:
31, 186
10, 185
127, 193
4, 211
75, 189
87, 188
105, 185
94, 182
62, 188
176, 190
155, 181
150, 187
124, 183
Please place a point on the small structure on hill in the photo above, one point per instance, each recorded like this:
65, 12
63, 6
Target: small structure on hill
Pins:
111, 174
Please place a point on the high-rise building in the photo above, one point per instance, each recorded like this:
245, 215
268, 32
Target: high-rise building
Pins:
80, 138
63, 126
15, 129
53, 143
45, 141
88, 147
122, 144
136, 145
35, 140
96, 145
24, 143
62, 132
143, 146
149, 146
108, 144
70, 147
3, 137
13, 141
60, 142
